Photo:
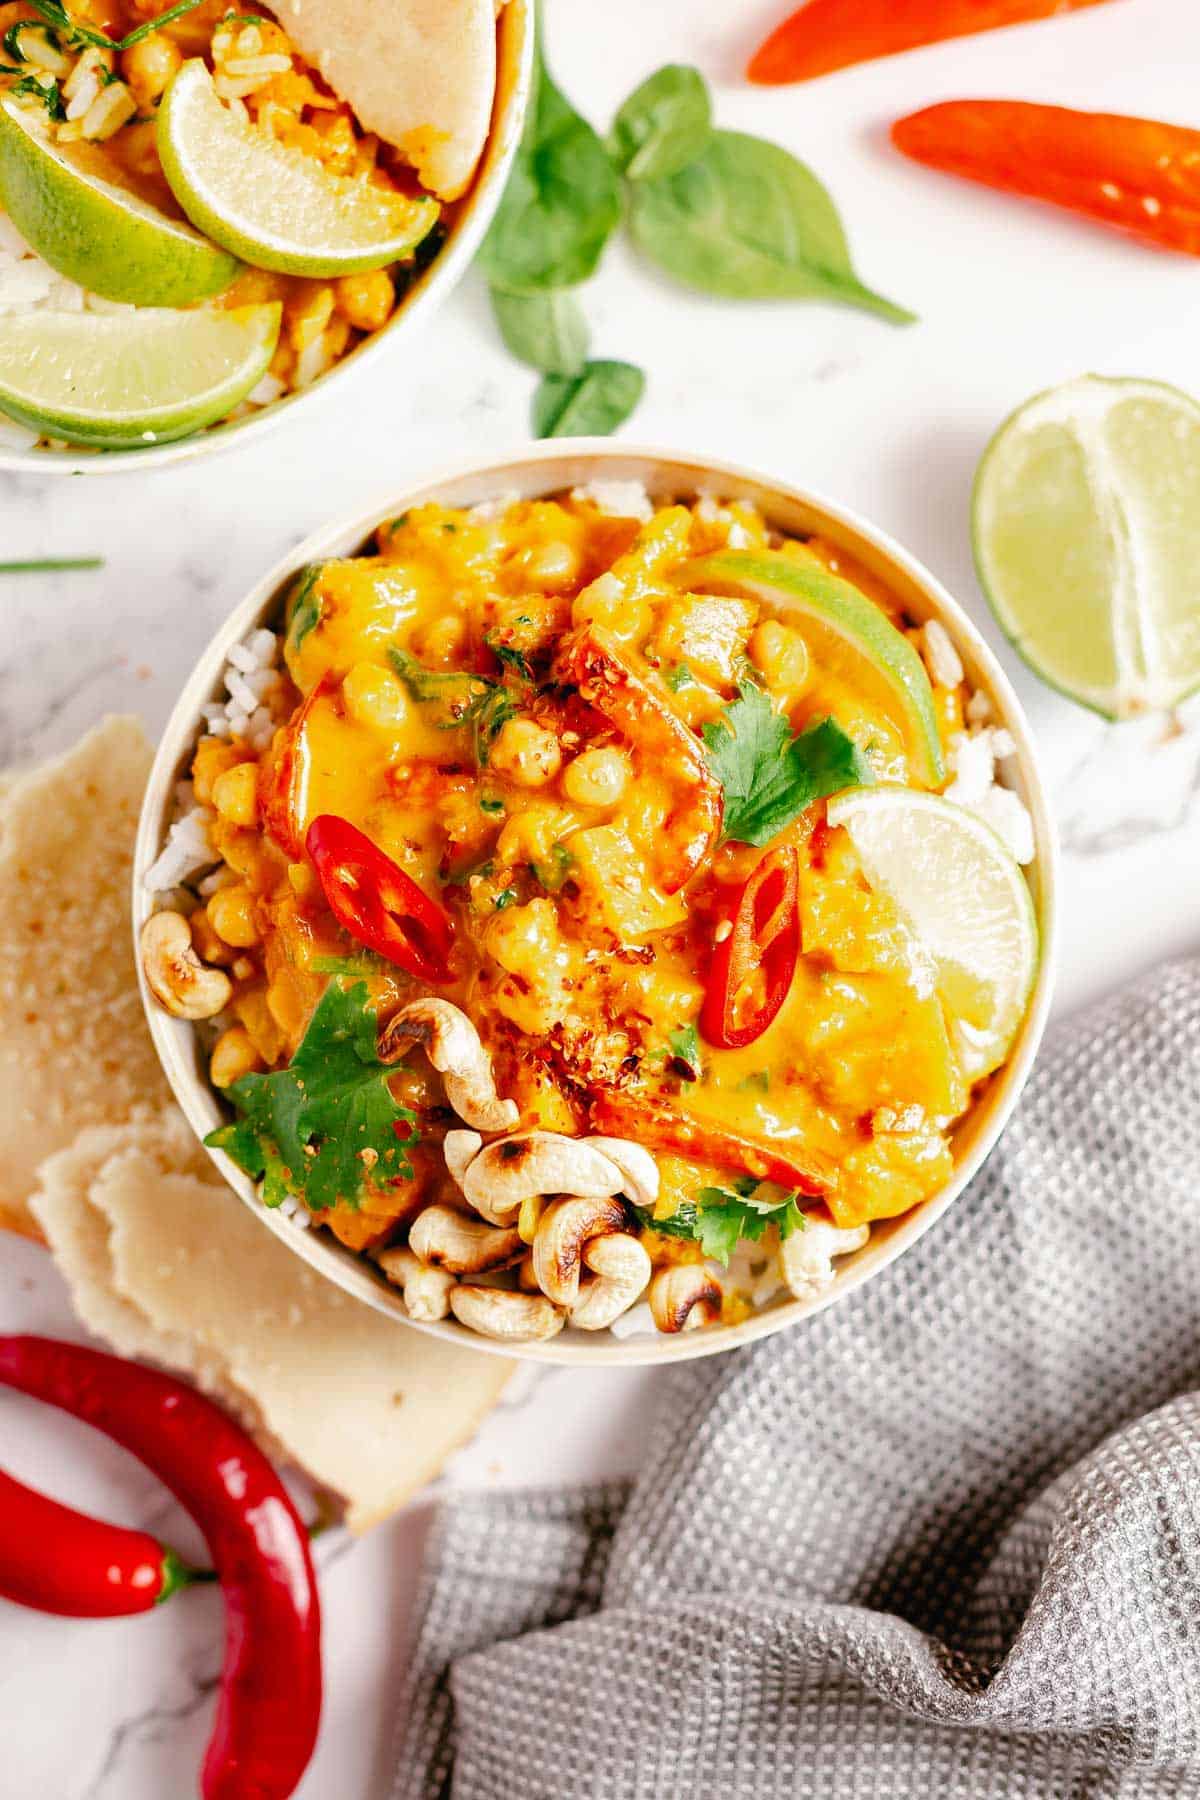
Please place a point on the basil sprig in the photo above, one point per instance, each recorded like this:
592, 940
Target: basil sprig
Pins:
719, 211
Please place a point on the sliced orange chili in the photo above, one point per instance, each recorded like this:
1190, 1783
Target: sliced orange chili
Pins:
1138, 175
373, 899
833, 34
753, 966
660, 1125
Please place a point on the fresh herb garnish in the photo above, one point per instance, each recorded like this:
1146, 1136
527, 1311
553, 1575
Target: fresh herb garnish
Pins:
590, 404
45, 90
678, 676
509, 656
552, 874
663, 126
325, 1125
365, 962
684, 1059
546, 329
462, 876
504, 898
74, 32
760, 1080
490, 803
40, 564
721, 1217
473, 701
769, 776
304, 607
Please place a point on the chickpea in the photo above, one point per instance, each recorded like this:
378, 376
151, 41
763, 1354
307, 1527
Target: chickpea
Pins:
235, 794
526, 753
529, 836
148, 67
233, 1056
307, 313
231, 913
365, 301
552, 565
213, 756
207, 945
374, 697
439, 643
597, 778
780, 654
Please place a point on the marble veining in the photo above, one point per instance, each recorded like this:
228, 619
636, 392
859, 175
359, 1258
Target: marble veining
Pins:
1011, 298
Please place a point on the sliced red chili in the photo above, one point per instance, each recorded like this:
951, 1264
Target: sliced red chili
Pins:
753, 966
661, 1125
373, 899
283, 783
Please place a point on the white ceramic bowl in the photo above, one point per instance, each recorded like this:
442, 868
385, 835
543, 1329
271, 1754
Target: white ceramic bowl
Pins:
514, 70
540, 470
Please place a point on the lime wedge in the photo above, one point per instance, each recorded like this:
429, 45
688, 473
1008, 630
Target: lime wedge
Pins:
964, 897
1087, 541
270, 204
117, 380
847, 630
67, 204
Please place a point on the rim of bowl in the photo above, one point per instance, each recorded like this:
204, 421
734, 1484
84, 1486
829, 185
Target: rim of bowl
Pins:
538, 470
514, 76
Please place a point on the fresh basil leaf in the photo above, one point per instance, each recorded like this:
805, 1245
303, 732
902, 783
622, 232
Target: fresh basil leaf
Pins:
590, 404
663, 126
327, 1123
747, 221
769, 776
546, 330
562, 201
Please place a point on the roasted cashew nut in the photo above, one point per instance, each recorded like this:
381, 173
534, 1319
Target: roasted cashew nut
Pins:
514, 1169
426, 1291
806, 1257
448, 1240
684, 1297
455, 1049
188, 988
499, 1313
559, 1241
460, 1149
621, 1267
636, 1165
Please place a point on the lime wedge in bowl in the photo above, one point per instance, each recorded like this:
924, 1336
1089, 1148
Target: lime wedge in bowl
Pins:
68, 205
271, 204
117, 380
1086, 523
966, 899
853, 635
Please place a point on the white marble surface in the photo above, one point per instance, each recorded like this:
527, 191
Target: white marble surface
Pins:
1011, 299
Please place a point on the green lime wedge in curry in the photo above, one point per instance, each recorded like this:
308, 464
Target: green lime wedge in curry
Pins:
73, 206
1087, 541
120, 380
269, 203
848, 632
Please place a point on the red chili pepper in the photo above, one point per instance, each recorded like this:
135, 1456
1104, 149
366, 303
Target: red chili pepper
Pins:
57, 1560
661, 1126
283, 783
372, 898
833, 34
1138, 175
270, 1701
764, 943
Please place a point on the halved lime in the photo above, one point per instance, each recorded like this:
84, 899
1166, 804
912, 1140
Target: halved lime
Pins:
853, 634
118, 380
1086, 523
965, 898
68, 206
269, 203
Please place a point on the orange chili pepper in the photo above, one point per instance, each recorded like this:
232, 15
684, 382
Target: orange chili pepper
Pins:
1139, 175
834, 34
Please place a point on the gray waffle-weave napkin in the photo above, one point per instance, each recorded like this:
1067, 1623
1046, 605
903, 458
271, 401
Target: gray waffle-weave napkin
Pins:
943, 1541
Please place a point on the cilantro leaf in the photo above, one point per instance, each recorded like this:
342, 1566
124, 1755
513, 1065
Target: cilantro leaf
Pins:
318, 1128
769, 776
678, 676
720, 1218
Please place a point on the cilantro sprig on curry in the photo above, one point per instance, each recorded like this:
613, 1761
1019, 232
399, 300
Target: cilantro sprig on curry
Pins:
540, 962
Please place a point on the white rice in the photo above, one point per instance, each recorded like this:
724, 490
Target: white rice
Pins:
621, 499
973, 758
250, 677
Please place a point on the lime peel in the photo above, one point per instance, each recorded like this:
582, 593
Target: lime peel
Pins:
271, 204
120, 380
96, 232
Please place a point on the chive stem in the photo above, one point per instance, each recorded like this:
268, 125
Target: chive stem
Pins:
37, 565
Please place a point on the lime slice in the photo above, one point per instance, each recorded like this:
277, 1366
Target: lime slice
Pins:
67, 204
118, 380
1087, 540
849, 633
965, 898
271, 204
